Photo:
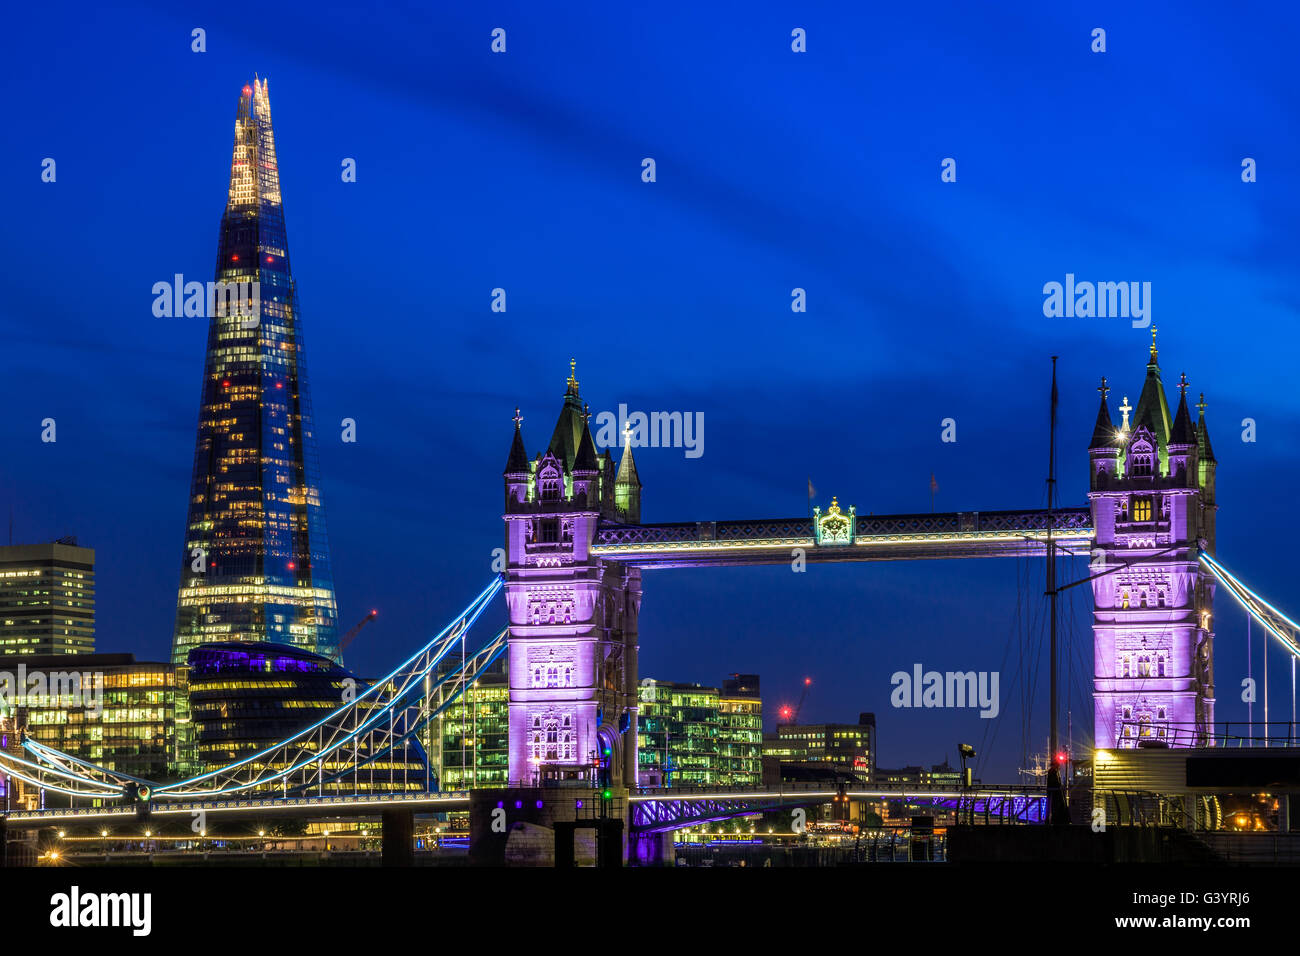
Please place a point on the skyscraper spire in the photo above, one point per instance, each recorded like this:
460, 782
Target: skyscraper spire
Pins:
256, 565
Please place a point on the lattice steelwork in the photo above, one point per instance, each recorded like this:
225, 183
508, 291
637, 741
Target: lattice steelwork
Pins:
256, 561
877, 537
333, 752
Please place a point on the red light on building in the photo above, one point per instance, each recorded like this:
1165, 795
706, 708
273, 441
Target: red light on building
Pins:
234, 258
269, 259
225, 383
279, 384
1062, 757
292, 565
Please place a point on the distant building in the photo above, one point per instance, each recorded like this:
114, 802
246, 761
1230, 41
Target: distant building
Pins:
248, 696
937, 775
125, 715
689, 735
469, 743
811, 751
47, 598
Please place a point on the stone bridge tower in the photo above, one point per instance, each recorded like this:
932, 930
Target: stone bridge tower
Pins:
1151, 492
573, 617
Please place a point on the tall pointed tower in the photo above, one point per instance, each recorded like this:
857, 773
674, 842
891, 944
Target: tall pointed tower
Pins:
256, 561
573, 618
1152, 497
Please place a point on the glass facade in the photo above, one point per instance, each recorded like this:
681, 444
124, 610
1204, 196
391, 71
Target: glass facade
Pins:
47, 599
469, 743
246, 697
694, 736
256, 560
109, 709
849, 748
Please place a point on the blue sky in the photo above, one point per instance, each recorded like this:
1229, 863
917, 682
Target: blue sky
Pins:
775, 170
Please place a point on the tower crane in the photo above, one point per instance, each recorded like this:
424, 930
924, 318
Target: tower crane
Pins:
792, 716
351, 635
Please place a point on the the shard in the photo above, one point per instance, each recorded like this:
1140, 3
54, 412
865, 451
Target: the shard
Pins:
256, 559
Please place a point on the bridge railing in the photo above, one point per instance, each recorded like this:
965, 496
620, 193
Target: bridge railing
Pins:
1139, 734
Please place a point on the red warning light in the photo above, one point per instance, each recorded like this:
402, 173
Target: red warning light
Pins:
292, 565
247, 90
269, 259
279, 384
225, 383
807, 681
1062, 757
234, 258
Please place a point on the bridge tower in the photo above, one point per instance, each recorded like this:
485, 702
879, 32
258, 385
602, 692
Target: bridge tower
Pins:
1151, 492
573, 617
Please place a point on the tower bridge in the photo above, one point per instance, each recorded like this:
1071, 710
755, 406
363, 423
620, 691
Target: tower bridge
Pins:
576, 550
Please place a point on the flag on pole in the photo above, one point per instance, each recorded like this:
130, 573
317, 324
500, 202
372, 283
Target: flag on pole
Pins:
812, 492
934, 485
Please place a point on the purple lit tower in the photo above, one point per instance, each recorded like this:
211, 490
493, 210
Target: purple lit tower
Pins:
1152, 491
573, 617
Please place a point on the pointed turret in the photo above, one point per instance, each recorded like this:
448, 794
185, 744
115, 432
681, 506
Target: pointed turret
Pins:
517, 463
586, 460
568, 427
1203, 432
1103, 433
1152, 407
1182, 434
627, 488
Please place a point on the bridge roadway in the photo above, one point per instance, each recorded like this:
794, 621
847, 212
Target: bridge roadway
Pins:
957, 534
651, 809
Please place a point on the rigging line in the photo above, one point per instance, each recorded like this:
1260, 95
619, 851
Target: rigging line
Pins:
992, 726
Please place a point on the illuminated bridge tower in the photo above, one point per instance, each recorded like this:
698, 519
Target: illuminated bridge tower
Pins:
256, 563
1152, 498
573, 617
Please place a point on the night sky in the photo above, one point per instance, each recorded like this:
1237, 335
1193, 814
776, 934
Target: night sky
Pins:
775, 170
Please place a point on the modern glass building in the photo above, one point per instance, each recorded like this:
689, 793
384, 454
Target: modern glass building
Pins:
846, 748
256, 562
469, 743
109, 709
689, 735
249, 696
47, 598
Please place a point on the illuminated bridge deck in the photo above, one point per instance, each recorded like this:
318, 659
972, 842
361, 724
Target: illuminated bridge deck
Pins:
339, 805
957, 534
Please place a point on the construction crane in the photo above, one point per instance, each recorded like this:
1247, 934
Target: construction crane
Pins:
351, 635
792, 716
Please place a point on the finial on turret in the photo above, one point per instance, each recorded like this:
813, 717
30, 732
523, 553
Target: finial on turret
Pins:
518, 419
1182, 384
1200, 406
1154, 330
572, 381
1125, 409
586, 412
1103, 388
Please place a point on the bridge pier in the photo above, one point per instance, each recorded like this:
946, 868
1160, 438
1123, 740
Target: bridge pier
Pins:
650, 849
399, 838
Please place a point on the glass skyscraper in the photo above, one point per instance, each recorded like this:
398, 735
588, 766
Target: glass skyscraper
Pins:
256, 561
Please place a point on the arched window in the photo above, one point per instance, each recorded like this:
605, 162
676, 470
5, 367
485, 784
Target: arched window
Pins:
550, 486
1124, 599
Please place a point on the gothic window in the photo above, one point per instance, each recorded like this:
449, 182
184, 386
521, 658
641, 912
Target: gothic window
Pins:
1125, 665
549, 530
1160, 598
1142, 602
1124, 599
537, 614
550, 485
568, 721
552, 677
1144, 665
537, 723
1143, 464
568, 679
567, 531
537, 677
1141, 509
